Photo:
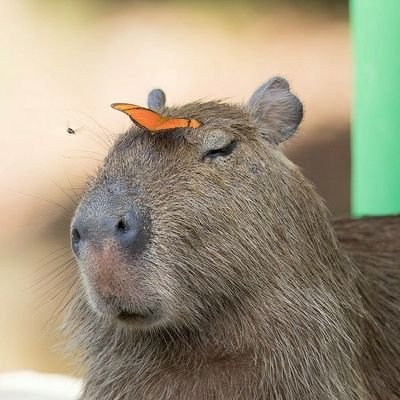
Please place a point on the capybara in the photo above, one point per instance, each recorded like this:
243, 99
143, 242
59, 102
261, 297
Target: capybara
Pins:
210, 269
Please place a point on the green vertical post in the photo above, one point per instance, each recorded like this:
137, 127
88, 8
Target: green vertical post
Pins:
376, 107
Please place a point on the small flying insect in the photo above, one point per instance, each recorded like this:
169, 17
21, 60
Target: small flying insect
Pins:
71, 131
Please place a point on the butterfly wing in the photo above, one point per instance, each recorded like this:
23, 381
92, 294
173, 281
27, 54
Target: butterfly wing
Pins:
141, 116
153, 121
172, 123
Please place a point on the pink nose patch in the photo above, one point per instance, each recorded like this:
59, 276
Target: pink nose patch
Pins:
106, 271
113, 280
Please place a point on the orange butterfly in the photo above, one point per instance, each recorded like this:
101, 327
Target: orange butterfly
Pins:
153, 121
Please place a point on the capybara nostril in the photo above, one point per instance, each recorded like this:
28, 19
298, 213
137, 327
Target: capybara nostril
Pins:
131, 231
122, 226
75, 240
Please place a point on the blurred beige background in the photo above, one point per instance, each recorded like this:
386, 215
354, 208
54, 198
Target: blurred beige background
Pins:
64, 62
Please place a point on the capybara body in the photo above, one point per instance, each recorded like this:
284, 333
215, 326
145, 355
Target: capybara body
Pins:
210, 270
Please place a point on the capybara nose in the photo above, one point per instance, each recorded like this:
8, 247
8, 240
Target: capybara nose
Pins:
128, 231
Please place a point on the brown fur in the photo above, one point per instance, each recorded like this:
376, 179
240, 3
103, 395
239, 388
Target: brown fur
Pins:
374, 246
259, 297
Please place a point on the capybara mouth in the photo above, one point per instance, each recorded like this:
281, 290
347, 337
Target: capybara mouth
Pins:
127, 316
134, 317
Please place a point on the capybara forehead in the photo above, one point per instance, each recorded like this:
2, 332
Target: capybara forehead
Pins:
209, 112
212, 115
216, 117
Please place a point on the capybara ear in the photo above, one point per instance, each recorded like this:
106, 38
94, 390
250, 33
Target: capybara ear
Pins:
275, 110
156, 100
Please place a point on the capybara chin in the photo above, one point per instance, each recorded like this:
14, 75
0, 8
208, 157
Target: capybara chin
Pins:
209, 268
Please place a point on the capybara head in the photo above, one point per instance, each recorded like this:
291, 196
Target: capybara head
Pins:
180, 226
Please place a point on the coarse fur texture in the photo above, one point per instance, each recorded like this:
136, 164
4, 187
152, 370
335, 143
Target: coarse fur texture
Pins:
253, 293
